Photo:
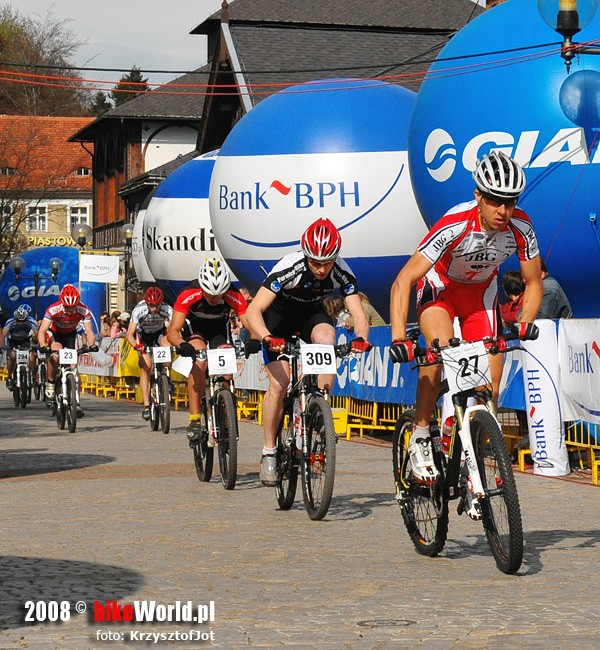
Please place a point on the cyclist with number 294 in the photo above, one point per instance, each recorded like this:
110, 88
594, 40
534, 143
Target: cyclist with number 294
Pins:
290, 301
148, 328
455, 269
59, 330
18, 333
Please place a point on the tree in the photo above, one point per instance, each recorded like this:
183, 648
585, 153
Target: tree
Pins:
32, 46
130, 85
100, 104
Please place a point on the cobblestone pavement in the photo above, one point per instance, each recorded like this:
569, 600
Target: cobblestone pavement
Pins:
114, 512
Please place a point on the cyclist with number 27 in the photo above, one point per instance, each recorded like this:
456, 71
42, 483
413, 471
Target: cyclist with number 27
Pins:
290, 300
206, 309
59, 330
148, 328
455, 269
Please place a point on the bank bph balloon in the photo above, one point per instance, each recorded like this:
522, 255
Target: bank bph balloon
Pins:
498, 84
334, 149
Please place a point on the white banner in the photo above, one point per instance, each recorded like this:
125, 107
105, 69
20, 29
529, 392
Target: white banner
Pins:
579, 355
542, 394
99, 268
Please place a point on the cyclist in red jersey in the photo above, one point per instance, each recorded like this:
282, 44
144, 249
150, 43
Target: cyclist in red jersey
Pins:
205, 310
58, 328
455, 269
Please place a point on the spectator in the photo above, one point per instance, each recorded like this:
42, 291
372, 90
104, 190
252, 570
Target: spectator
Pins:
514, 288
555, 303
334, 306
104, 325
373, 316
116, 325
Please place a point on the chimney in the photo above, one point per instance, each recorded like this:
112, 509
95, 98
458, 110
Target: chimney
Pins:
225, 12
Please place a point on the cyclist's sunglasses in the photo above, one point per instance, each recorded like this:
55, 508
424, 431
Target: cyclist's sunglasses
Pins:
497, 201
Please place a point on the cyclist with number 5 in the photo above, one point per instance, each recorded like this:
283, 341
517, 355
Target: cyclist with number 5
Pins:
148, 328
455, 269
59, 330
290, 300
205, 310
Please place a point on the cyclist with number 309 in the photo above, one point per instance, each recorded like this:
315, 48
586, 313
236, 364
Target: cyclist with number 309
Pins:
455, 269
148, 328
291, 300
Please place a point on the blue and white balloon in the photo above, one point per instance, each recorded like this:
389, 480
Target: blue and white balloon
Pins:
335, 149
503, 87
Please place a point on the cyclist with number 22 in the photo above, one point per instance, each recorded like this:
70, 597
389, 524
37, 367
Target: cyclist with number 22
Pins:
59, 330
148, 328
455, 269
207, 308
290, 300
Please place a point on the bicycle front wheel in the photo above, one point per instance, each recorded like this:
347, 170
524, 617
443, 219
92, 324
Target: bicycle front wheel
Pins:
501, 512
424, 508
24, 387
318, 466
227, 437
71, 405
287, 465
154, 404
164, 404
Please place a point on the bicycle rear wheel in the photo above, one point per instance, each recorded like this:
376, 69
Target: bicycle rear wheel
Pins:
500, 509
71, 405
60, 406
287, 465
227, 437
164, 403
318, 467
203, 454
40, 381
23, 387
424, 508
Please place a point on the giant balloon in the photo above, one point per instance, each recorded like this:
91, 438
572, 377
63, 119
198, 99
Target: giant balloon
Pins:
37, 271
335, 149
176, 232
499, 85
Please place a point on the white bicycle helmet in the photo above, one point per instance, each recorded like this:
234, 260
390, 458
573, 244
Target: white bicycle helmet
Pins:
21, 314
214, 277
499, 175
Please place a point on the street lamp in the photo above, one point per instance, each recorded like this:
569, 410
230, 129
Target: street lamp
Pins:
127, 239
567, 18
82, 234
17, 264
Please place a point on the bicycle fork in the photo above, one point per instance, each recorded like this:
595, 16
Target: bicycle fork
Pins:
467, 444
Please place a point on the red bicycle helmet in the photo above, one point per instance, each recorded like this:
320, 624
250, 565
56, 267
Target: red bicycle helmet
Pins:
69, 296
321, 241
154, 296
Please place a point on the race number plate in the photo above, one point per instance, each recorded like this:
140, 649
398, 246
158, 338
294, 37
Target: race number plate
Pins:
161, 354
22, 356
466, 366
221, 361
318, 359
67, 357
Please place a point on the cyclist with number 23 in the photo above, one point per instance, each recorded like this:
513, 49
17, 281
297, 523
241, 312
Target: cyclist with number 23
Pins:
455, 269
290, 300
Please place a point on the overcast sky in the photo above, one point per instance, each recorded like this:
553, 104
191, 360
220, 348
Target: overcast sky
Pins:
151, 34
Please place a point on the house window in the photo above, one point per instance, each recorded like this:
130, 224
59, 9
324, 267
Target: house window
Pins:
83, 171
37, 219
78, 215
8, 171
6, 215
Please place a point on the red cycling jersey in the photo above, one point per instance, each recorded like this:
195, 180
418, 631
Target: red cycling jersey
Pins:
465, 262
64, 322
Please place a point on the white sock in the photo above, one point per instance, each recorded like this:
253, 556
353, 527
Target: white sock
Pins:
419, 432
267, 451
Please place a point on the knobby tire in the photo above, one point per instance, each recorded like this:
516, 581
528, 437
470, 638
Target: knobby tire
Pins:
227, 428
500, 509
71, 406
424, 508
164, 403
24, 387
154, 404
318, 466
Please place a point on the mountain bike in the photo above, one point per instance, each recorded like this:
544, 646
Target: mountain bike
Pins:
219, 418
160, 388
40, 377
22, 386
477, 469
306, 438
65, 404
